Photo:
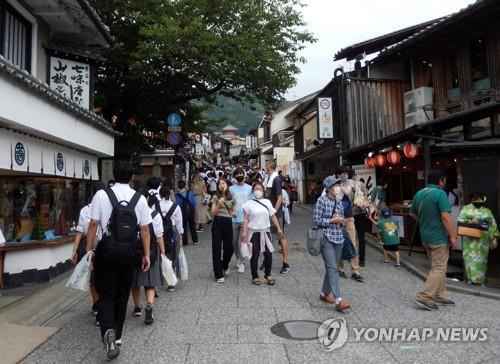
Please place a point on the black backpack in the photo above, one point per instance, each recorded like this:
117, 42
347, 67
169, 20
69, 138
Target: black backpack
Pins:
168, 228
153, 245
120, 244
186, 207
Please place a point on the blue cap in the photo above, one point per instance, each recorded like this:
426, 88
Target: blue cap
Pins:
386, 212
329, 182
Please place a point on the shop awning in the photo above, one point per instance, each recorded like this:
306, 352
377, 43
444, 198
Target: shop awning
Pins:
487, 143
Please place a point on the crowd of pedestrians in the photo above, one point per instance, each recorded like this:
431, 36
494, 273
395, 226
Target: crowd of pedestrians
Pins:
125, 234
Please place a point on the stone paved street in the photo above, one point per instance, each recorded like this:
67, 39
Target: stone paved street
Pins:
203, 322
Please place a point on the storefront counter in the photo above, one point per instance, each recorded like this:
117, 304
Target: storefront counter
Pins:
34, 262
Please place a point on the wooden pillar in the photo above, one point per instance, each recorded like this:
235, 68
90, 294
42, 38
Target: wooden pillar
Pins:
493, 54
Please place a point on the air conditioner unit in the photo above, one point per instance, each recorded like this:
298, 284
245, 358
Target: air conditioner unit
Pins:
418, 98
417, 117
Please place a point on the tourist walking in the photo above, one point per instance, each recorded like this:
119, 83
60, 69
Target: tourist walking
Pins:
199, 190
241, 193
291, 189
185, 199
114, 265
476, 248
80, 243
274, 194
258, 212
223, 210
152, 278
431, 208
389, 231
328, 215
360, 212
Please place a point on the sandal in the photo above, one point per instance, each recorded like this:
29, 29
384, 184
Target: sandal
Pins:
256, 282
270, 281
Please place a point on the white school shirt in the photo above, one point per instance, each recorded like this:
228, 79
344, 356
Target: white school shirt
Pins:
84, 221
176, 217
157, 224
101, 208
259, 215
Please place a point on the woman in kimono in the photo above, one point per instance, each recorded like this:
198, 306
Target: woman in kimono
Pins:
475, 250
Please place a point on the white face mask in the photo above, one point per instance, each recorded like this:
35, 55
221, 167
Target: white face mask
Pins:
337, 191
258, 194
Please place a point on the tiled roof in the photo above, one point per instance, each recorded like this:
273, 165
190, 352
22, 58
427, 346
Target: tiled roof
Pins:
92, 14
53, 97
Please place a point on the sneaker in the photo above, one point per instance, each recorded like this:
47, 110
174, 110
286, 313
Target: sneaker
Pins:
385, 262
357, 277
148, 313
94, 309
112, 350
118, 342
220, 280
398, 266
342, 305
97, 322
342, 274
241, 268
328, 299
361, 264
170, 288
445, 302
195, 243
429, 306
137, 312
227, 272
285, 268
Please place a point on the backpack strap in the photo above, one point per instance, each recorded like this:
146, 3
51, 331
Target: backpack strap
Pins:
135, 199
171, 211
111, 196
154, 213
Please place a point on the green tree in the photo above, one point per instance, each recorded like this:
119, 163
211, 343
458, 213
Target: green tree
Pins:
169, 53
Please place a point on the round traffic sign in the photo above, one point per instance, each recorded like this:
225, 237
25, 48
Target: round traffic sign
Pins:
174, 138
174, 119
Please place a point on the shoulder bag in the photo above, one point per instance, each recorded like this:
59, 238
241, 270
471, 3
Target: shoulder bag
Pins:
314, 238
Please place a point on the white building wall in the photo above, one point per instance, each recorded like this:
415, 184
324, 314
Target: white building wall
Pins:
42, 258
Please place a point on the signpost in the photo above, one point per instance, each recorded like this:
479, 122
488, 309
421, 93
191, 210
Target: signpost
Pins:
174, 138
174, 128
325, 119
174, 119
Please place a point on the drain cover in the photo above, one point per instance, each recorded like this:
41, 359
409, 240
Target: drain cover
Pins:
297, 330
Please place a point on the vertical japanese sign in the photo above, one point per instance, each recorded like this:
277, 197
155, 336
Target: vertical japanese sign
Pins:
71, 79
325, 118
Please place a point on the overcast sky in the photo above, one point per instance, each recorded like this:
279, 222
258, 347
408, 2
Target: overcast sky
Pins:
337, 24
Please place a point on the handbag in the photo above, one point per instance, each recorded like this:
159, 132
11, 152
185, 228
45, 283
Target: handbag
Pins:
246, 250
314, 240
348, 249
470, 230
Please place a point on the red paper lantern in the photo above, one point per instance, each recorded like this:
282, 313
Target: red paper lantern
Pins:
411, 150
393, 157
369, 162
379, 160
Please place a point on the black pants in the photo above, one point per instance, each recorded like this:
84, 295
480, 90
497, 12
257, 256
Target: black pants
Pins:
254, 262
192, 229
113, 282
222, 240
360, 224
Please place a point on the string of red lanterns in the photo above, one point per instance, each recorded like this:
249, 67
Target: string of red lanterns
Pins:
410, 150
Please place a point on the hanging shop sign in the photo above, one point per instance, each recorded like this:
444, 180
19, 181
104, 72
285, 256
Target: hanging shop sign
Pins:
325, 118
71, 80
174, 138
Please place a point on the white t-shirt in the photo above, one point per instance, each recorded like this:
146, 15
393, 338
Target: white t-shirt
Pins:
259, 215
176, 217
84, 221
157, 224
101, 208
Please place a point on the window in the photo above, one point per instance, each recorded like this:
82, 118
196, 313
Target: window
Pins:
34, 209
15, 37
479, 65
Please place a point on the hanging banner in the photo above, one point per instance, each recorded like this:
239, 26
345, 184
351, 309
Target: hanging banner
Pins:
19, 156
325, 118
60, 163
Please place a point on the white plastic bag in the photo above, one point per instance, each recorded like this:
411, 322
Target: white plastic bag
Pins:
80, 278
287, 215
246, 250
183, 267
167, 271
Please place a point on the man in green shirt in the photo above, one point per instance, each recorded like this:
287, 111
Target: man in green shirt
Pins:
431, 208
